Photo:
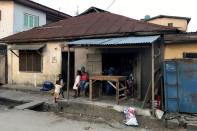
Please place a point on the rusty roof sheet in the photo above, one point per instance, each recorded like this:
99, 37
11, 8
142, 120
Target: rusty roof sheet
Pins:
181, 38
93, 24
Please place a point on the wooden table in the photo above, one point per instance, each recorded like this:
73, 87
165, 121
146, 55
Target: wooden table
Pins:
109, 79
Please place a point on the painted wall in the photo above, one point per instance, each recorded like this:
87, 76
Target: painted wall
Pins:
19, 11
7, 16
175, 51
51, 56
178, 23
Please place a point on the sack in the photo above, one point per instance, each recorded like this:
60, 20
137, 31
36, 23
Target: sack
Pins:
130, 116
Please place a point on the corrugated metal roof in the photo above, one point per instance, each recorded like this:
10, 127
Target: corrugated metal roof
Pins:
90, 25
116, 41
26, 47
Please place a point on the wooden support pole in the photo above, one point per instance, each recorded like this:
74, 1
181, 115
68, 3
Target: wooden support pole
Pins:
117, 92
153, 78
68, 73
90, 89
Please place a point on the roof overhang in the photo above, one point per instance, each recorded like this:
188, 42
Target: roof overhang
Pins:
121, 41
26, 47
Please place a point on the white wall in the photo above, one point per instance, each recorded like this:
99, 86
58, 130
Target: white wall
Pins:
19, 11
6, 22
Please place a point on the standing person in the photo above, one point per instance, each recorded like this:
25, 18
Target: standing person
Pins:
57, 91
62, 84
84, 81
76, 86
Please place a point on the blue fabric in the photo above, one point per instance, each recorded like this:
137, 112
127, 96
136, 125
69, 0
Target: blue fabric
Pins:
84, 85
47, 86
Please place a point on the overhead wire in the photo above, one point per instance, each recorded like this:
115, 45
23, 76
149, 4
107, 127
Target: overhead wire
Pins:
111, 4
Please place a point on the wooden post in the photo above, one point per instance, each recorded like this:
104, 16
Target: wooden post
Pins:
90, 89
153, 77
68, 73
117, 92
138, 75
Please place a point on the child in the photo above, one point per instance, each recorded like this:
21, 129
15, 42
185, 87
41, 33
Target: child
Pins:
76, 86
57, 90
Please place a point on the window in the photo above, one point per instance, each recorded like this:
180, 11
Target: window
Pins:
189, 55
30, 61
31, 20
170, 24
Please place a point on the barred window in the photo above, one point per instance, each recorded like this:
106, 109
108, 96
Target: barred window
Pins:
30, 61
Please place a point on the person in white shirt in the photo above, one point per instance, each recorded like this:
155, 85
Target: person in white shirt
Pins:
76, 85
58, 87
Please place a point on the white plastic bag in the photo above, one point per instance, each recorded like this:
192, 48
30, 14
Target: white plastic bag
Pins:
130, 116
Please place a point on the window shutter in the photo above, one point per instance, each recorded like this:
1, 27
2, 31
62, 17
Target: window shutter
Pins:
30, 21
22, 61
25, 20
36, 21
37, 62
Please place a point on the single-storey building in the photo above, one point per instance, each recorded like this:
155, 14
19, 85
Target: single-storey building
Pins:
98, 41
180, 46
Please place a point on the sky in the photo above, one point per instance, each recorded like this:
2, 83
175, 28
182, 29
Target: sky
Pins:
135, 9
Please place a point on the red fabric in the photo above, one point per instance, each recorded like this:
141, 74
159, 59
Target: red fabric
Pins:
84, 76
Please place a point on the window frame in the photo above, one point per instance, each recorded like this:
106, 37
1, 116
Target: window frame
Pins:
188, 55
26, 61
30, 21
170, 24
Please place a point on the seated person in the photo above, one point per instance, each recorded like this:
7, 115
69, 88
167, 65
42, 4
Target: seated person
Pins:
84, 81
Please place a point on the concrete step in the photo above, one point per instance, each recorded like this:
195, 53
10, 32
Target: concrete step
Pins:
29, 105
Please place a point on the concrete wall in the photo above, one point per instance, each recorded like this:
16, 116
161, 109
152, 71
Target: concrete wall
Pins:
51, 56
181, 24
7, 18
81, 57
176, 50
19, 11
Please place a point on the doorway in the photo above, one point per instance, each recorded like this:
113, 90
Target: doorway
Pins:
65, 67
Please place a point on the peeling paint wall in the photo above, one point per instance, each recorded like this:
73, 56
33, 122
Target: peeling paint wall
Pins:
51, 58
81, 57
176, 50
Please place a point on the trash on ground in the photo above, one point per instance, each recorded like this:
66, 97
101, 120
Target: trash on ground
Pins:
130, 116
159, 114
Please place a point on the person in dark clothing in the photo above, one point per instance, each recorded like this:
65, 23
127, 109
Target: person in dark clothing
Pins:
61, 81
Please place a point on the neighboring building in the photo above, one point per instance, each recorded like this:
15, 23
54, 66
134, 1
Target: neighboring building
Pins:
180, 23
41, 53
21, 15
180, 46
92, 10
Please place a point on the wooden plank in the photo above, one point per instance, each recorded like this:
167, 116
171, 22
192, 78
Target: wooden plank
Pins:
108, 78
153, 76
29, 105
111, 84
122, 89
90, 89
